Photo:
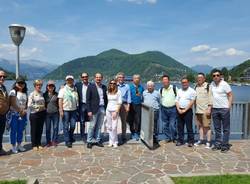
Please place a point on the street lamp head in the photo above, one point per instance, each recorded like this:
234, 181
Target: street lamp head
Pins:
17, 33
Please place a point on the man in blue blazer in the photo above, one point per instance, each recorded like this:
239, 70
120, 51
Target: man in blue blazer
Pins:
82, 87
96, 101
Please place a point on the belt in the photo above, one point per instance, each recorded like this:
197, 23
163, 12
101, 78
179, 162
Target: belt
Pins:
169, 107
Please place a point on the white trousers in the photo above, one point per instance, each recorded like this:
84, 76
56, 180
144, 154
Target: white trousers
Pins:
111, 125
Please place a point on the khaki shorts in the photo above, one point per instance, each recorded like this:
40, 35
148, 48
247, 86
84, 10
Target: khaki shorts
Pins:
204, 120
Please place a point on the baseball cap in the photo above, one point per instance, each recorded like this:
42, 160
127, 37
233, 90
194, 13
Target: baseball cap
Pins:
69, 77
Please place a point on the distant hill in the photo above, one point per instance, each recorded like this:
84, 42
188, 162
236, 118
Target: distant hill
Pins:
238, 71
31, 68
10, 75
202, 68
150, 65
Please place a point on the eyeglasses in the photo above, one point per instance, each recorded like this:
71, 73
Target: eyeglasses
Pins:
2, 76
216, 75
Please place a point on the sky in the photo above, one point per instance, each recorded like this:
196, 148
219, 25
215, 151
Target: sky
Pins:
213, 32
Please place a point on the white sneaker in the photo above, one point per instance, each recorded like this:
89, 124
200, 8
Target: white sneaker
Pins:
14, 150
21, 148
208, 145
115, 145
198, 143
110, 145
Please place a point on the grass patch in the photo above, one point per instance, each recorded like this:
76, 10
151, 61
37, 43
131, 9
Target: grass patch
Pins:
219, 179
14, 182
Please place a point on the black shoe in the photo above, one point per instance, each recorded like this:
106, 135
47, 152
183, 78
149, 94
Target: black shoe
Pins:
179, 143
190, 145
216, 147
69, 145
89, 145
174, 141
224, 149
99, 144
168, 141
3, 152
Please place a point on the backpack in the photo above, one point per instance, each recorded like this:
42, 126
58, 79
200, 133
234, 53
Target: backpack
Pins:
4, 101
174, 89
207, 88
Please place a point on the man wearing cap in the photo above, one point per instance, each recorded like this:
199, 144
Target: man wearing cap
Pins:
68, 104
96, 100
82, 87
4, 107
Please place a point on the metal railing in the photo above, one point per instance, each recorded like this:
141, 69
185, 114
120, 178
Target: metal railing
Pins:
240, 123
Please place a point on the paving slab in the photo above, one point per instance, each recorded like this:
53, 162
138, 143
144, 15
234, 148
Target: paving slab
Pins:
128, 164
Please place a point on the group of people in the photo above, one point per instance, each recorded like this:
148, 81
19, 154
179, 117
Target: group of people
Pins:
93, 102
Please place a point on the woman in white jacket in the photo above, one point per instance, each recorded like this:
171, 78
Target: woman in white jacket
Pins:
112, 112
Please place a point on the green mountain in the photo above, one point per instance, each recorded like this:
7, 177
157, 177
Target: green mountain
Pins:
150, 65
239, 70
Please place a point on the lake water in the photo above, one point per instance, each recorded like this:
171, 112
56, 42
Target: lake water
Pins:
241, 93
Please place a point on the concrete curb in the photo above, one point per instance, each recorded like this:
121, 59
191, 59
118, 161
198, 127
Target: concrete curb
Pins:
207, 174
32, 181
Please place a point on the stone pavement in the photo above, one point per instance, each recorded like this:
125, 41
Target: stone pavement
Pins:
129, 163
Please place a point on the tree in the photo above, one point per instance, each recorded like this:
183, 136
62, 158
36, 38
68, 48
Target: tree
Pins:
225, 73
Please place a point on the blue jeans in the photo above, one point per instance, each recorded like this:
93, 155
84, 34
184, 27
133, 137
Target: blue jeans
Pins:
168, 117
17, 127
69, 124
52, 118
95, 125
221, 119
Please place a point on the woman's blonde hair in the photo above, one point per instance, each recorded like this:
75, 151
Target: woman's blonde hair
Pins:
37, 81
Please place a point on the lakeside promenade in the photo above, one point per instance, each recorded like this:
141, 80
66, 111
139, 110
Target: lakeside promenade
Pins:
130, 163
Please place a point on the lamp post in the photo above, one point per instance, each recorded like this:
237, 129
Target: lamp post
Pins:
17, 33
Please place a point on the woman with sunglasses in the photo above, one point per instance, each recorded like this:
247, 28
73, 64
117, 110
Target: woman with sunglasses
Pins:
18, 111
112, 112
52, 113
36, 104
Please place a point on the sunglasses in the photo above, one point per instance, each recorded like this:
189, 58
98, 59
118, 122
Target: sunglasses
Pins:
84, 77
113, 83
216, 75
21, 83
51, 85
2, 76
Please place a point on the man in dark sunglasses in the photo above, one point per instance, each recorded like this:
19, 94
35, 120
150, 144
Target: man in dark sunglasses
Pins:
4, 107
222, 99
82, 87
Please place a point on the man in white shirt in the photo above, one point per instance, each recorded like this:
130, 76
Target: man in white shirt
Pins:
222, 99
184, 102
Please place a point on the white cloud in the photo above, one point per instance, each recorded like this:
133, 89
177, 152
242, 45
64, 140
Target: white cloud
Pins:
33, 32
9, 48
8, 51
216, 52
234, 52
200, 48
